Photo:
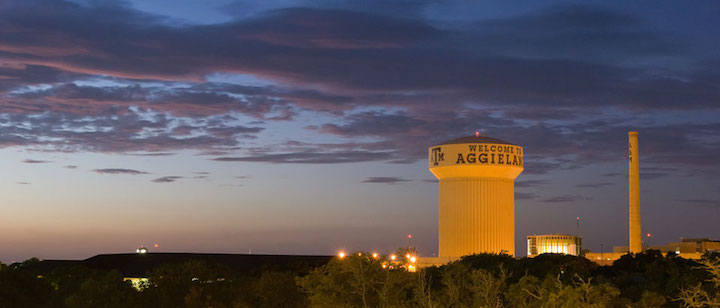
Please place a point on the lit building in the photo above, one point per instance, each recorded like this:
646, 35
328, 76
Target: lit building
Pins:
476, 195
554, 243
689, 246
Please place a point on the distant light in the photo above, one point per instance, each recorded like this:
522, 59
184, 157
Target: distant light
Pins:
413, 259
648, 235
156, 245
677, 252
409, 235
341, 254
578, 218
392, 257
141, 250
384, 265
375, 255
477, 134
407, 256
359, 253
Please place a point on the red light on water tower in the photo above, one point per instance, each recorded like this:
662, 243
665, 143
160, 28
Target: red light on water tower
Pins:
477, 134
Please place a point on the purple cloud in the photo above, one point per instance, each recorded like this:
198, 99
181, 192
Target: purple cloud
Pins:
595, 185
386, 180
525, 196
530, 183
166, 179
119, 171
311, 158
563, 199
34, 161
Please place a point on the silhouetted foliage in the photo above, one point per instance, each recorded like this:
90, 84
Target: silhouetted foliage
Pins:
642, 280
19, 288
104, 290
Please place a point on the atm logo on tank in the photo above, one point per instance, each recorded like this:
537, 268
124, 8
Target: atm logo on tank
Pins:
437, 156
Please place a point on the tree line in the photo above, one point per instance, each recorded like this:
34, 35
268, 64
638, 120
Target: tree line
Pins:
648, 279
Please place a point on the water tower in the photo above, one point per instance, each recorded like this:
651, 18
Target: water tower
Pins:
477, 194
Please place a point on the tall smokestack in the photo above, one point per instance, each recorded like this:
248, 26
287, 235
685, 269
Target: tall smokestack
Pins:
634, 183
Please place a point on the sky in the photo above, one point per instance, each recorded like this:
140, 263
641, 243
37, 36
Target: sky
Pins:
302, 127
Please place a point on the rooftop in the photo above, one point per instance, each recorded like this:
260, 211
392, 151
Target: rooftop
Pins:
138, 265
476, 139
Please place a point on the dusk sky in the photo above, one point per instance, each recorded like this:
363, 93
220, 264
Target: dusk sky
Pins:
302, 127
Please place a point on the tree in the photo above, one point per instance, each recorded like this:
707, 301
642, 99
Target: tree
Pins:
19, 288
707, 295
279, 290
169, 284
526, 293
358, 280
104, 290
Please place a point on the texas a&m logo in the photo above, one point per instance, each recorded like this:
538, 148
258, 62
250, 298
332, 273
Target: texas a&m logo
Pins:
437, 156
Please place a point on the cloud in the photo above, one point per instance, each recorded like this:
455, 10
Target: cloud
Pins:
70, 167
34, 161
152, 154
166, 179
614, 174
24, 183
530, 183
131, 131
146, 47
595, 185
119, 171
312, 158
525, 196
555, 80
385, 180
563, 199
652, 175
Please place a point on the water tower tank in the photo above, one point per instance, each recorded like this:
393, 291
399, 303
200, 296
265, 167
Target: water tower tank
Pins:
476, 194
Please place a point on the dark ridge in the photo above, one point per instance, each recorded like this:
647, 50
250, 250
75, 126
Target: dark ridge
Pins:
138, 265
